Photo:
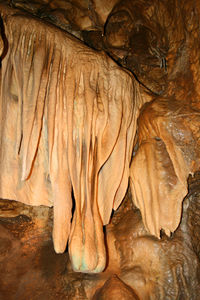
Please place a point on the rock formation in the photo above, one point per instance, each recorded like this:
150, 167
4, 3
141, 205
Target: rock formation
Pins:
77, 122
68, 117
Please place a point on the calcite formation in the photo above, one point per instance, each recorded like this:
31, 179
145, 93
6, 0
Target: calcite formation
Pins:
68, 118
139, 264
168, 151
75, 126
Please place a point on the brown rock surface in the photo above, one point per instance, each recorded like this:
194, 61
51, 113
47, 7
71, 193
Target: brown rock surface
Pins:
168, 151
68, 116
115, 289
158, 41
149, 268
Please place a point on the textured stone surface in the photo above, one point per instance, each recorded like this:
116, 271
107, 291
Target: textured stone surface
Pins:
146, 267
114, 289
158, 42
68, 114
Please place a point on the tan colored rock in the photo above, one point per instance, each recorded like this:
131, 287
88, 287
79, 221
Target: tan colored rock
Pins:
168, 151
115, 289
68, 122
157, 40
69, 114
102, 8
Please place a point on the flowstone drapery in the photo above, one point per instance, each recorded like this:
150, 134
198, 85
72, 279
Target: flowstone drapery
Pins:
75, 125
68, 123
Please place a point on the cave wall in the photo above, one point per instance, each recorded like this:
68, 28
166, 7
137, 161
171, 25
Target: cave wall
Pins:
158, 43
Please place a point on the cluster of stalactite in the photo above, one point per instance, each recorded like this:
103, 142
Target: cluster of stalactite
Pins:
73, 120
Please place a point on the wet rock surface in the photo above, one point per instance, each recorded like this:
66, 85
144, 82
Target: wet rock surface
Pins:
162, 52
139, 265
